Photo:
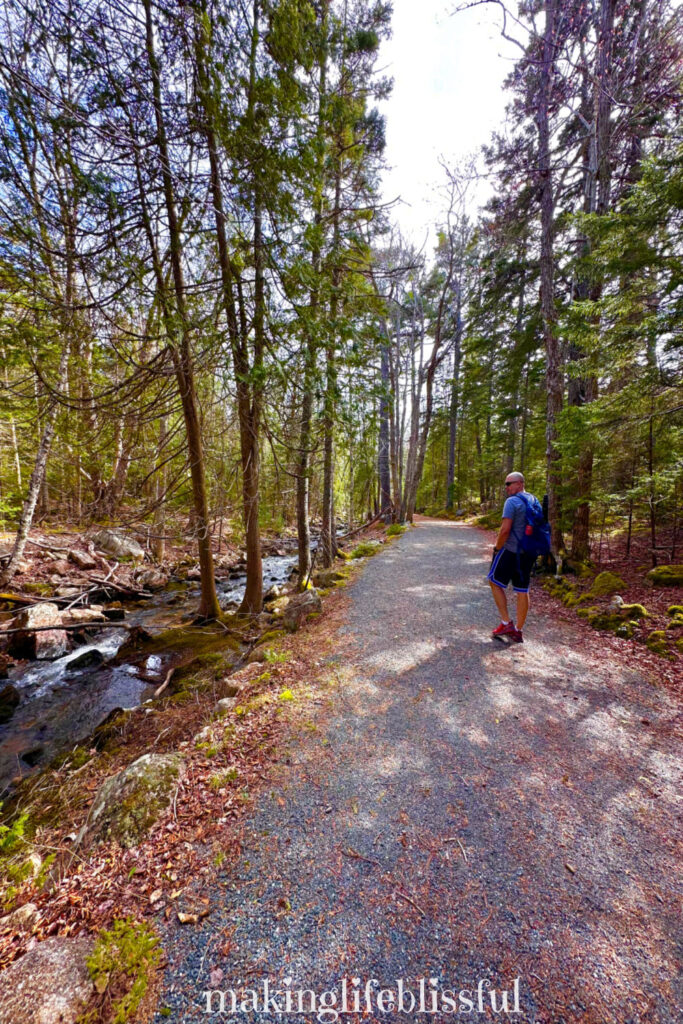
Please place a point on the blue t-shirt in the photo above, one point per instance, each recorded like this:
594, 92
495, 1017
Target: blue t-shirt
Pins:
516, 511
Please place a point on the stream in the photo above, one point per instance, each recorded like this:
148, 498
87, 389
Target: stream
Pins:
63, 701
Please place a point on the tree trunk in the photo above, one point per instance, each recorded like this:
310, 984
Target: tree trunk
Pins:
453, 409
383, 469
554, 383
36, 481
596, 190
181, 347
160, 511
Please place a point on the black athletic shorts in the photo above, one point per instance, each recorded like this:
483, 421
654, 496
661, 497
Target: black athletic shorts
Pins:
508, 566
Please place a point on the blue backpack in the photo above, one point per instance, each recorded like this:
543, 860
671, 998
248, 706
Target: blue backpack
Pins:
535, 539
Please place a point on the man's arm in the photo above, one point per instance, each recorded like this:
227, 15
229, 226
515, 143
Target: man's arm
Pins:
503, 533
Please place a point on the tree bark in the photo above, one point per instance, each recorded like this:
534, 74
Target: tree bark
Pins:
181, 350
554, 381
37, 477
383, 468
454, 402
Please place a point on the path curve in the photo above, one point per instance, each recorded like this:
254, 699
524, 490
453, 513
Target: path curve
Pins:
464, 812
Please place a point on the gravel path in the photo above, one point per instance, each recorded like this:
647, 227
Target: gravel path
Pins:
459, 811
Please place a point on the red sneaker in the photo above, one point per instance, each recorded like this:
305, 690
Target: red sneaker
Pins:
516, 636
505, 629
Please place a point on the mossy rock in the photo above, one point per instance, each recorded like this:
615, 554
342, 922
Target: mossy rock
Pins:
675, 610
608, 621
326, 578
679, 644
634, 611
587, 613
278, 606
606, 583
129, 803
626, 630
666, 576
657, 642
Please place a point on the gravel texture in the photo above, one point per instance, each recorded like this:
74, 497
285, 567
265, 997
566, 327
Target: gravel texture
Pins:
456, 810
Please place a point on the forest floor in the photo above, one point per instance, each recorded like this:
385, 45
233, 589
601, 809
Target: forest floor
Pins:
401, 797
456, 810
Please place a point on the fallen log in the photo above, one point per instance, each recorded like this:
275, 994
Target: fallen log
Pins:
121, 587
70, 625
352, 533
19, 599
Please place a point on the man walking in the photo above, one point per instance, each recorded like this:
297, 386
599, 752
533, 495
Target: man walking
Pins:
510, 563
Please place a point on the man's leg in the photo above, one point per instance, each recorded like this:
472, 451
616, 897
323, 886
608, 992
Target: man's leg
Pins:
522, 609
501, 601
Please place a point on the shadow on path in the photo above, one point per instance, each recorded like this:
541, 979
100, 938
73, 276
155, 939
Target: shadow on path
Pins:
462, 812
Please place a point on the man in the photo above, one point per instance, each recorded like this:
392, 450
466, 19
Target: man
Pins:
509, 563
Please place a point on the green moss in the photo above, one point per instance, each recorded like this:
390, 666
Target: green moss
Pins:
626, 630
675, 610
125, 957
666, 576
274, 657
396, 529
606, 583
222, 780
587, 613
606, 621
365, 550
657, 642
679, 644
181, 697
634, 611
43, 589
273, 634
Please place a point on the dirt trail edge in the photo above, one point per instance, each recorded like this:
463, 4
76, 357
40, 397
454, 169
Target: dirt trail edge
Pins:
464, 813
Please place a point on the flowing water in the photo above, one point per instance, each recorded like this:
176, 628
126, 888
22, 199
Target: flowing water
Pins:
63, 701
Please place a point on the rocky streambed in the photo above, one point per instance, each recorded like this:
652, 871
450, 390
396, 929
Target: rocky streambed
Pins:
48, 706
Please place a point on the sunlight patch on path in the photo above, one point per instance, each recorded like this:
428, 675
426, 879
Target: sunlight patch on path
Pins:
403, 656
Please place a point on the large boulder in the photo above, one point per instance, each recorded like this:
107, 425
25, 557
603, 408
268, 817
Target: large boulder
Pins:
115, 542
153, 579
46, 644
48, 985
666, 576
299, 607
129, 803
606, 583
82, 559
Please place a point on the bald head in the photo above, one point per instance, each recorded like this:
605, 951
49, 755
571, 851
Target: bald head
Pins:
514, 483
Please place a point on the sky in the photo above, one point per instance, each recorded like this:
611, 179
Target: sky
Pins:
448, 71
